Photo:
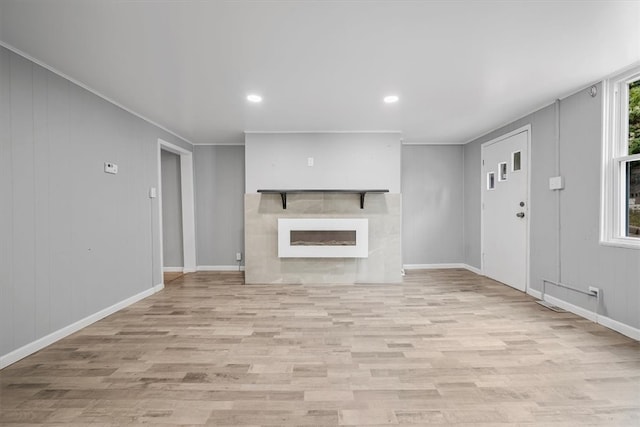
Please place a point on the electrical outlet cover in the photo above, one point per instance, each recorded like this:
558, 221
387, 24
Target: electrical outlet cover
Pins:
111, 168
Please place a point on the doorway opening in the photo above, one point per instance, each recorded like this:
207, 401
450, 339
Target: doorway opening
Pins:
171, 194
176, 213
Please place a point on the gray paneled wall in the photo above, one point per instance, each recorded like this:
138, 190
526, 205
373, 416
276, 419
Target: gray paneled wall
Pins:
73, 239
219, 194
432, 204
569, 217
172, 245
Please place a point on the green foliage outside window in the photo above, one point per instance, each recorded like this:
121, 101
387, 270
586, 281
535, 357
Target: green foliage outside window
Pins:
633, 219
634, 118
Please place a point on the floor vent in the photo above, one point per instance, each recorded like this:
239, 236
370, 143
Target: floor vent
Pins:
551, 306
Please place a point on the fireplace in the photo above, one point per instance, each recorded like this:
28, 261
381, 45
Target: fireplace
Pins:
323, 238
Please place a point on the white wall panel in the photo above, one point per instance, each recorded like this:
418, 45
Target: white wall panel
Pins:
340, 161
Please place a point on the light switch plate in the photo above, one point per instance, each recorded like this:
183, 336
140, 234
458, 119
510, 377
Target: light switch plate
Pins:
153, 193
556, 183
309, 161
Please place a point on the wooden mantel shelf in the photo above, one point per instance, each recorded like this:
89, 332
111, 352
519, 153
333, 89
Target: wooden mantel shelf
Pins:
283, 193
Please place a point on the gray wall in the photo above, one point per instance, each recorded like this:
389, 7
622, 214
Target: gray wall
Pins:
73, 240
432, 204
342, 160
219, 197
568, 219
172, 243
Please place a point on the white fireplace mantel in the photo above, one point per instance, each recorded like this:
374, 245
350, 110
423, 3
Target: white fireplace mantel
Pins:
287, 250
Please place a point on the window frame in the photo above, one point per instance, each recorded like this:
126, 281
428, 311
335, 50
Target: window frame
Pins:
613, 218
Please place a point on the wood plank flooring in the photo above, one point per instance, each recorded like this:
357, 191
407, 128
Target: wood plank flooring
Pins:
170, 276
446, 347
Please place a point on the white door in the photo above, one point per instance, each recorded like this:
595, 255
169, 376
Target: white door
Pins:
505, 209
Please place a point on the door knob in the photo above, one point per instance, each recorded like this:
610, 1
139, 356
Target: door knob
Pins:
520, 214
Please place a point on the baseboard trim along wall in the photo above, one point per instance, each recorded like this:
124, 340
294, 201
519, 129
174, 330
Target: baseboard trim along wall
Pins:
172, 269
219, 268
534, 293
41, 343
441, 266
627, 330
605, 321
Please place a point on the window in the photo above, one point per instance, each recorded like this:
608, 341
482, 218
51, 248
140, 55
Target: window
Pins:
633, 198
502, 167
491, 180
515, 161
621, 161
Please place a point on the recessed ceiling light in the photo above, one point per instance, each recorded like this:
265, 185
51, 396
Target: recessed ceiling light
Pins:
254, 98
391, 99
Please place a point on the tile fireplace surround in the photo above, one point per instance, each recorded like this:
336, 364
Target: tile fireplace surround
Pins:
382, 265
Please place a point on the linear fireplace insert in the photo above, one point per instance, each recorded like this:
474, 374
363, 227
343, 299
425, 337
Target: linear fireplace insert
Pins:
323, 237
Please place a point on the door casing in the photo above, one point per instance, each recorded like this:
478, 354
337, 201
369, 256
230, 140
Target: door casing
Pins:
188, 206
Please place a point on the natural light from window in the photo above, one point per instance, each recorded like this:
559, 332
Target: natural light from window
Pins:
633, 166
620, 219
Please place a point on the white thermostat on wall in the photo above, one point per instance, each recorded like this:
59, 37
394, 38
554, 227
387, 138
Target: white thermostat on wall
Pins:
110, 168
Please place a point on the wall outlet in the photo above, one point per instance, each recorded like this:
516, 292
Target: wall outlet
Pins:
309, 161
110, 168
593, 290
238, 256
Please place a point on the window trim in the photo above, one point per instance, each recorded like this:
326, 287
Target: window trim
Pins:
615, 124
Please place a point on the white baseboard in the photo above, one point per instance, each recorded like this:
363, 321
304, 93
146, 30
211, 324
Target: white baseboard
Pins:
534, 293
431, 266
41, 343
624, 329
220, 268
605, 321
473, 269
582, 312
172, 269
441, 266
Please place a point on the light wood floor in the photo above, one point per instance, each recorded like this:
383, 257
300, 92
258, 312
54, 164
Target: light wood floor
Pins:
444, 348
170, 276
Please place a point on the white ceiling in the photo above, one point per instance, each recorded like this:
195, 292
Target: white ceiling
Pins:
461, 68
